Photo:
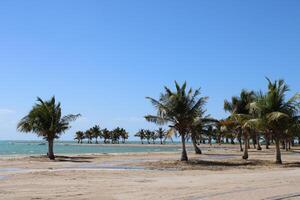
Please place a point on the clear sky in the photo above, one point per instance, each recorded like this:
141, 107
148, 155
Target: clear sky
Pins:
101, 58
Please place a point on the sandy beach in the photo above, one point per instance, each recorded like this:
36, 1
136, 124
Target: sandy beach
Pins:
219, 173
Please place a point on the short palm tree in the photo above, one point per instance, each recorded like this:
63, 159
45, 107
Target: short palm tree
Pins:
178, 109
115, 135
124, 135
89, 135
79, 136
96, 132
148, 135
106, 135
46, 120
153, 136
161, 134
141, 135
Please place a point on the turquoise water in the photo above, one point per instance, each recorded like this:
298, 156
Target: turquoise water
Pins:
39, 147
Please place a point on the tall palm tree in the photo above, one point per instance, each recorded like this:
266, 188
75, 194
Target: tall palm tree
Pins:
79, 136
275, 113
96, 132
177, 108
46, 120
161, 134
141, 135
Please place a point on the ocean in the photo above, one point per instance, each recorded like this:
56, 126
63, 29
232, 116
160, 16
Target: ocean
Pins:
70, 147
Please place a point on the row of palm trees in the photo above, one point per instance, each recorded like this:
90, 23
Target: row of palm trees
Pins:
149, 135
265, 113
253, 115
114, 136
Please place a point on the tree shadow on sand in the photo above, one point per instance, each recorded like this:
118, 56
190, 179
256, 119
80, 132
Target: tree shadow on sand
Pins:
194, 164
75, 159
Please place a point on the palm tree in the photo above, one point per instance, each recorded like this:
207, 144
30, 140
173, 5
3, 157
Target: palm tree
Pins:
199, 128
96, 132
161, 134
141, 135
79, 136
89, 135
178, 109
148, 135
46, 120
115, 135
106, 135
241, 106
124, 135
153, 136
275, 113
211, 133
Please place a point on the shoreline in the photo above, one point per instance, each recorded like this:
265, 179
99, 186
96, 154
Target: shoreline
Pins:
213, 175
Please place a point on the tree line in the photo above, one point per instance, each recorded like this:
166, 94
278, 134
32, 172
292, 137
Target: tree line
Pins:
114, 136
266, 115
254, 116
152, 136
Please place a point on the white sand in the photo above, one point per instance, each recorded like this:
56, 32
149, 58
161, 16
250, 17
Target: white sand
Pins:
104, 177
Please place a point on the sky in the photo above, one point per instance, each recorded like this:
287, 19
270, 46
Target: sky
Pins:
102, 58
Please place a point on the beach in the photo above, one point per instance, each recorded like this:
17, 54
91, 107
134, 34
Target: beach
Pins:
219, 173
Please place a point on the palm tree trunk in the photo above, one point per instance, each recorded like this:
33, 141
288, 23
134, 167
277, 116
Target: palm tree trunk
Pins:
254, 140
226, 140
232, 140
219, 140
245, 156
184, 156
293, 142
282, 144
50, 150
196, 148
258, 142
240, 139
278, 154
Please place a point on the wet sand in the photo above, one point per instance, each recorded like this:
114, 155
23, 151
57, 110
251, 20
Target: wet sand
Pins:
219, 173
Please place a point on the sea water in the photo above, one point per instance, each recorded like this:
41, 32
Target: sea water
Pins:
69, 147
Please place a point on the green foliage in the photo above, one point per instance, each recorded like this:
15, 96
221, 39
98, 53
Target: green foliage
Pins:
46, 120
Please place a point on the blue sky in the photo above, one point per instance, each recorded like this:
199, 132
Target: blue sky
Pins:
101, 58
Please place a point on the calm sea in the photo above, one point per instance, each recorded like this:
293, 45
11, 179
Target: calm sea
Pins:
67, 147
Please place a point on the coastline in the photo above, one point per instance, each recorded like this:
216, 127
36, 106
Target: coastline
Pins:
153, 174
